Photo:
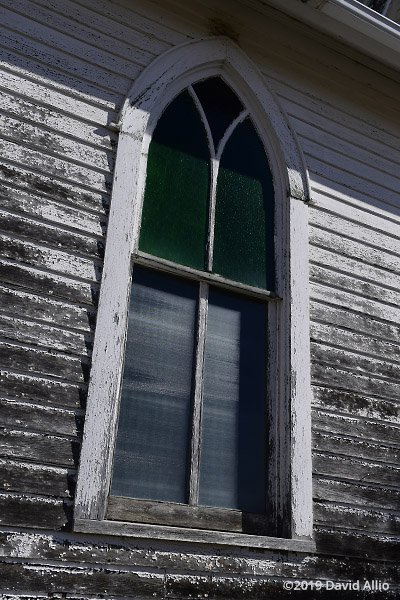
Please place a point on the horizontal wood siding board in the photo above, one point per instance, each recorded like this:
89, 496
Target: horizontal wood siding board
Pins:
74, 38
355, 211
19, 80
344, 300
356, 494
356, 405
50, 235
352, 230
103, 80
38, 255
366, 170
363, 429
356, 519
104, 33
40, 448
24, 304
356, 448
354, 342
44, 336
235, 588
45, 362
48, 186
356, 361
154, 22
42, 390
323, 171
353, 544
359, 147
378, 332
43, 419
48, 164
28, 511
327, 118
383, 289
29, 279
356, 470
52, 212
325, 374
56, 145
354, 249
32, 478
366, 208
56, 121
80, 580
69, 548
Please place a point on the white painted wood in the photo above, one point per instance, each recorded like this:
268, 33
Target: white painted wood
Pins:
153, 89
76, 22
372, 281
55, 260
348, 246
38, 137
51, 94
198, 396
55, 49
56, 121
300, 380
61, 168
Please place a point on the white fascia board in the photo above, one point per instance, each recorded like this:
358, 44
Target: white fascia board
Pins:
351, 22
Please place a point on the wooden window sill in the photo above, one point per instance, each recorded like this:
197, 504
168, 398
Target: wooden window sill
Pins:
200, 536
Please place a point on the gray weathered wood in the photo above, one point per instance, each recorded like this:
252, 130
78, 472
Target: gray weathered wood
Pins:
40, 448
192, 535
361, 519
180, 515
356, 494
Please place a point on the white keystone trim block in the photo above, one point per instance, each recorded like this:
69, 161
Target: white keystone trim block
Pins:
152, 91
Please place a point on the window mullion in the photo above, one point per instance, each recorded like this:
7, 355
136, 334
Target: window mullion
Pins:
211, 214
198, 396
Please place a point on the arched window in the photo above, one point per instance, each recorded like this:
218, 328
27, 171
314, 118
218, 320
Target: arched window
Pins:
198, 418
193, 416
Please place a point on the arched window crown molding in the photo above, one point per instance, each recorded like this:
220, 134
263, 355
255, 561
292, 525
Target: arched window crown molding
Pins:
154, 89
187, 63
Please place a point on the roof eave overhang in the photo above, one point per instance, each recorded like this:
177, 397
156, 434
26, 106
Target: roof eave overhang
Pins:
350, 22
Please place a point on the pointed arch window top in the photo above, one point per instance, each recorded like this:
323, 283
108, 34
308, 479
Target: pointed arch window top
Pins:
209, 197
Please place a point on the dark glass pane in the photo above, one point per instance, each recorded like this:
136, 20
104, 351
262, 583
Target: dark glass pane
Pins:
221, 106
152, 451
244, 217
174, 221
233, 463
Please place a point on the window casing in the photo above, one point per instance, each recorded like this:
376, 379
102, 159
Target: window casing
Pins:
287, 488
194, 402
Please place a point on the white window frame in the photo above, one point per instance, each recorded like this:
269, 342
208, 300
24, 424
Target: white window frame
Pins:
289, 339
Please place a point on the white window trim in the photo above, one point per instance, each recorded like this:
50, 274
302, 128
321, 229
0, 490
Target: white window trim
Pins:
155, 87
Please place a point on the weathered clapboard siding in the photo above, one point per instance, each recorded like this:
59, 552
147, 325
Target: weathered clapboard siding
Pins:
354, 447
53, 120
355, 404
35, 511
40, 448
59, 103
48, 419
51, 211
361, 519
55, 285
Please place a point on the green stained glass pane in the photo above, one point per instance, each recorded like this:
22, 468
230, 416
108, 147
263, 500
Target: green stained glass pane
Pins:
244, 216
174, 221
